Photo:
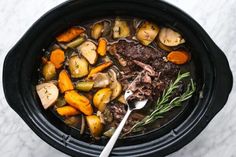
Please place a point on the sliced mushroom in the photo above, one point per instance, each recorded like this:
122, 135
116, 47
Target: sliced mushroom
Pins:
112, 74
107, 28
88, 50
147, 32
137, 22
116, 89
101, 80
48, 94
101, 28
169, 37
114, 85
121, 29
163, 47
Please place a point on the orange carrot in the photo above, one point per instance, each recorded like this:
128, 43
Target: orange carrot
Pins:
64, 82
70, 34
57, 57
178, 57
78, 101
102, 46
67, 111
99, 68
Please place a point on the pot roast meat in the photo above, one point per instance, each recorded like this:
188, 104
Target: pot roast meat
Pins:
135, 51
145, 73
131, 51
118, 111
146, 66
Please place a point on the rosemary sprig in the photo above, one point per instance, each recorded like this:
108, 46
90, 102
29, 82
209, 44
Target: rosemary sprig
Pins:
164, 104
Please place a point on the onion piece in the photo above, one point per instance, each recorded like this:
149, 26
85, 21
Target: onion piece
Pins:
82, 125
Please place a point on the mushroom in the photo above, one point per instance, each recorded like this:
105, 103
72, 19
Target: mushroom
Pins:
169, 37
115, 85
88, 50
101, 80
101, 28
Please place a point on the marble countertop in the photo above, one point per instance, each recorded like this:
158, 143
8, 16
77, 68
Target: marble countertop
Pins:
217, 17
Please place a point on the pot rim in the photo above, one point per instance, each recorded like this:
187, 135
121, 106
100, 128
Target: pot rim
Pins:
176, 139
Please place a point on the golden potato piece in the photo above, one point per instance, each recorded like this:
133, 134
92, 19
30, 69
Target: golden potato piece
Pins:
78, 66
147, 32
101, 98
48, 94
121, 29
49, 71
95, 125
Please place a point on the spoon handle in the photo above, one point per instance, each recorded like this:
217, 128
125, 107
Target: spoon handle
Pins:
106, 151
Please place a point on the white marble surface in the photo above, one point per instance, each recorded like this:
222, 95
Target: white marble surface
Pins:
217, 17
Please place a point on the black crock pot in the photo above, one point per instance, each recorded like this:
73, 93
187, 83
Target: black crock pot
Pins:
213, 76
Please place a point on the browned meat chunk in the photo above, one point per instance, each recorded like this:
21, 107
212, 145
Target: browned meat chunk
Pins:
146, 69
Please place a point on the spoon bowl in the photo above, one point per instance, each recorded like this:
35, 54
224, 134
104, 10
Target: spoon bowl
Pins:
134, 106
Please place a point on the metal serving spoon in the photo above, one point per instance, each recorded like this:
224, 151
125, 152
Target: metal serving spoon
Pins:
137, 105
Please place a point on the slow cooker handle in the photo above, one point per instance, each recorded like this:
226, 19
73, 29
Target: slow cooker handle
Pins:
223, 80
11, 71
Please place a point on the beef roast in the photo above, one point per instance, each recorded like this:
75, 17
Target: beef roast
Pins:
146, 68
131, 51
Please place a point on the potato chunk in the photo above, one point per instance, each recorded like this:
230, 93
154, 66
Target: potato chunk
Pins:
147, 32
47, 93
95, 125
101, 98
78, 67
49, 71
121, 29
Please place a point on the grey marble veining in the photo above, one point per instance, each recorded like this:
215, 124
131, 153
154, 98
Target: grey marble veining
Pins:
217, 17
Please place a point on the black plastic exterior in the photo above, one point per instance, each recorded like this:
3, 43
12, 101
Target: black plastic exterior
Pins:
214, 78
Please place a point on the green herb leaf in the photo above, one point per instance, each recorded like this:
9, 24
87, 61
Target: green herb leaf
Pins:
164, 104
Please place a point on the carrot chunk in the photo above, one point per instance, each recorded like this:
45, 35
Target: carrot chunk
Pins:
57, 57
64, 82
67, 111
178, 57
102, 46
99, 68
78, 101
70, 34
